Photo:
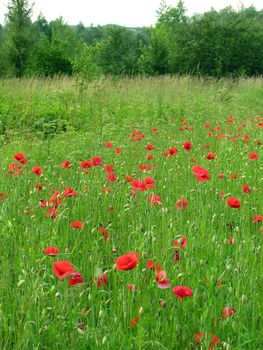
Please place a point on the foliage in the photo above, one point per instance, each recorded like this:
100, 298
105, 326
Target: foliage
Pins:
19, 37
224, 43
40, 102
117, 53
56, 46
85, 67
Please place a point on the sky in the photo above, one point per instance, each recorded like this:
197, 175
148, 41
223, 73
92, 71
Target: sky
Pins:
130, 13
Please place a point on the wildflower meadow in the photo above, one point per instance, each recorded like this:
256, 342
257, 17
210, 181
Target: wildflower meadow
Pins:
131, 214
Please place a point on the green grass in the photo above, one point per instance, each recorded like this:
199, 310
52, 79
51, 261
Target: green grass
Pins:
51, 121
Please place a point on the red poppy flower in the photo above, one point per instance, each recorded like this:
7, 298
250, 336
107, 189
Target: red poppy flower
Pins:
52, 212
69, 192
144, 167
234, 176
210, 156
108, 144
42, 203
138, 185
38, 186
202, 175
228, 311
65, 164
105, 233
154, 129
128, 178
246, 188
214, 339
149, 147
36, 170
102, 230
171, 152
118, 150
102, 279
162, 281
220, 176
108, 168
14, 169
245, 138
181, 203
55, 199
149, 181
131, 287
182, 292
253, 156
106, 189
257, 218
111, 176
150, 264
51, 251
20, 157
187, 146
137, 136
197, 168
77, 224
76, 278
180, 244
149, 157
153, 266
96, 161
233, 202
184, 121
155, 200
86, 164
63, 268
127, 261
232, 240
134, 321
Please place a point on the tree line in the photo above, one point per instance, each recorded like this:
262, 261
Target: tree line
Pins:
217, 43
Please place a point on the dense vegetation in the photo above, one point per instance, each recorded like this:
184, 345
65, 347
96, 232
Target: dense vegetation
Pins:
44, 108
167, 170
224, 43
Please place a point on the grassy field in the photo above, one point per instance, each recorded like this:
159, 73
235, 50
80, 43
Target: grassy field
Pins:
203, 231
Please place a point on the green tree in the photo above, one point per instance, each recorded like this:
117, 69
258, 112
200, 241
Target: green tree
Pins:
118, 52
41, 25
19, 37
163, 53
154, 55
53, 53
4, 63
85, 67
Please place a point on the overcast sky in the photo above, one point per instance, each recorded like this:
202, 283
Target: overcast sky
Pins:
131, 13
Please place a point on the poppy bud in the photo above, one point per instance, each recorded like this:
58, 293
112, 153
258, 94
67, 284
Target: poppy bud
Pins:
163, 304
